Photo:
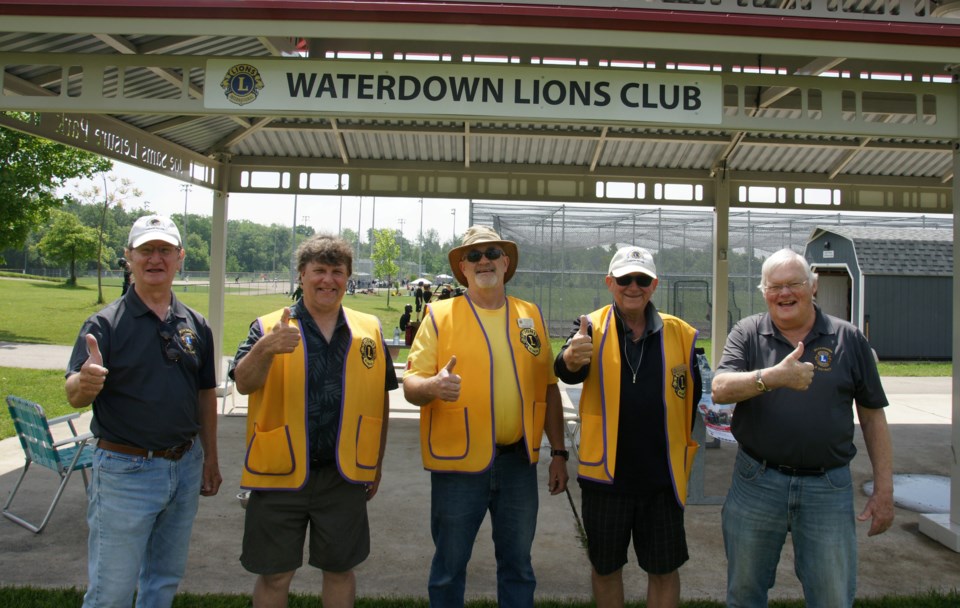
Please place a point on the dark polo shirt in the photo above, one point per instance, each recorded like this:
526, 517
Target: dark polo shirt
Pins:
148, 400
325, 369
812, 428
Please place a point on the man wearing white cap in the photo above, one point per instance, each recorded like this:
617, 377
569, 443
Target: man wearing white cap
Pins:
146, 363
480, 366
641, 385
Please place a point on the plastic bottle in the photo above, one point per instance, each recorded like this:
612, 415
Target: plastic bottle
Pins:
396, 335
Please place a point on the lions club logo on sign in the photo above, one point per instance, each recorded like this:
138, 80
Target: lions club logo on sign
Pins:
368, 352
241, 84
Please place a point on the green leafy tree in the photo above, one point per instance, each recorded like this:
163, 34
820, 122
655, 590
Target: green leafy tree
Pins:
386, 250
31, 171
67, 242
115, 193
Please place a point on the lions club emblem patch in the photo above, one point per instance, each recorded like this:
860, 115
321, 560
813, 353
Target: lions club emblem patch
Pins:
188, 340
530, 341
822, 358
368, 352
242, 83
679, 383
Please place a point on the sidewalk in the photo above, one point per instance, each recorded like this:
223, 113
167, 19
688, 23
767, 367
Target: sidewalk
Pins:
900, 561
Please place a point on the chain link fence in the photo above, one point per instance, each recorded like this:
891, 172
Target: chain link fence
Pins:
565, 251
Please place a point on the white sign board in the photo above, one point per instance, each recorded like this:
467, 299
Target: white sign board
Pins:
498, 91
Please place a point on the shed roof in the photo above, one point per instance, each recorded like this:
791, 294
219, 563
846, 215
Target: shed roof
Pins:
897, 251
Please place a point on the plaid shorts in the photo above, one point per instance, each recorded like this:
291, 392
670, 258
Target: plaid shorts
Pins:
655, 523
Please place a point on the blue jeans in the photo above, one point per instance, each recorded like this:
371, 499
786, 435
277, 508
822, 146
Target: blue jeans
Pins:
762, 506
140, 515
459, 502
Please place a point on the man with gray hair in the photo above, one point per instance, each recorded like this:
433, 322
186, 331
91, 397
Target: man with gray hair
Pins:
146, 364
641, 386
794, 373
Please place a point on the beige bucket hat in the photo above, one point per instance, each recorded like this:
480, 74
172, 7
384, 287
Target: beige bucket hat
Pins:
476, 236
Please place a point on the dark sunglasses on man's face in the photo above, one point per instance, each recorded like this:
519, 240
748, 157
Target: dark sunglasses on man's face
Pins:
642, 280
491, 254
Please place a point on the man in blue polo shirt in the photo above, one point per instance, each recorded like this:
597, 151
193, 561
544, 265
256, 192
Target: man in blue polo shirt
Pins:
794, 373
146, 364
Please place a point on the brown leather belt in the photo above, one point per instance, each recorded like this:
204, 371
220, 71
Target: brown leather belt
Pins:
174, 453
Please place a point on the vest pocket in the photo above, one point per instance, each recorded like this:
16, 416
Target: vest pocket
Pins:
591, 439
270, 452
448, 432
368, 442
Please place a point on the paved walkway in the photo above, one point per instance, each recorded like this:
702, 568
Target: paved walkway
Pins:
900, 561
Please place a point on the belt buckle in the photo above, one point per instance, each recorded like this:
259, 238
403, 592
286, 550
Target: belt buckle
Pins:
176, 453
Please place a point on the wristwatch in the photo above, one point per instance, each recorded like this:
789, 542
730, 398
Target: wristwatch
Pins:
760, 385
564, 453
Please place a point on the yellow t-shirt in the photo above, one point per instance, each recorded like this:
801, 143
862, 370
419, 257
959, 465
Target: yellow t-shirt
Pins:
422, 361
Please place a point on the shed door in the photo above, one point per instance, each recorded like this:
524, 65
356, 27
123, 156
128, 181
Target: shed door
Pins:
833, 293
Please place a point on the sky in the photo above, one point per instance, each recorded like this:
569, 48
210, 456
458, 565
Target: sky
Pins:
165, 196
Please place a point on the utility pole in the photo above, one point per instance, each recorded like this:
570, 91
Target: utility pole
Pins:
183, 239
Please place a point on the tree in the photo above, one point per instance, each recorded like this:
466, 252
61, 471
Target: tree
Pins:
112, 194
68, 241
385, 252
31, 171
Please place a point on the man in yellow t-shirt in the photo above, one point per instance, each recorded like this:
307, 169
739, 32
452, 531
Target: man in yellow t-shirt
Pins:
481, 368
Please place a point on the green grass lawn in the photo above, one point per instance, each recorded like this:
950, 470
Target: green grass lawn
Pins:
29, 597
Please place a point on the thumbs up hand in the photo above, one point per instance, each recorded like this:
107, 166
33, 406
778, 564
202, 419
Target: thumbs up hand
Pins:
792, 372
284, 337
580, 350
93, 374
447, 383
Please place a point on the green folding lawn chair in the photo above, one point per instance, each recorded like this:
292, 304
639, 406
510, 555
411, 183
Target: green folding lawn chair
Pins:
63, 457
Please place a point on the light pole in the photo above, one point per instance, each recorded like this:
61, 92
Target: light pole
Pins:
183, 241
420, 258
454, 236
402, 222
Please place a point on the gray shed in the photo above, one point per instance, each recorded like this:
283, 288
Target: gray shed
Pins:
895, 284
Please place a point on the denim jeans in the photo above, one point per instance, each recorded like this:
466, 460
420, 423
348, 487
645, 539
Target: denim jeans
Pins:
762, 506
459, 502
140, 513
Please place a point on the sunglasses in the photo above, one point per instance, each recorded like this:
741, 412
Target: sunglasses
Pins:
642, 280
491, 254
170, 350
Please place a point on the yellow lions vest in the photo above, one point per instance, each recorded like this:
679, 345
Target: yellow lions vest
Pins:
600, 401
277, 456
459, 436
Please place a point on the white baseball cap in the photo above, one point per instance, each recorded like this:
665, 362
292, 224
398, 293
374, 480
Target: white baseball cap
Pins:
628, 260
153, 228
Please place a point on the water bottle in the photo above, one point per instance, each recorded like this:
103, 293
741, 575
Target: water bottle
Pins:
396, 335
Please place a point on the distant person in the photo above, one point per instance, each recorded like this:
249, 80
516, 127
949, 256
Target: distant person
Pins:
146, 363
418, 298
427, 295
794, 373
405, 317
122, 263
298, 292
641, 387
318, 376
481, 369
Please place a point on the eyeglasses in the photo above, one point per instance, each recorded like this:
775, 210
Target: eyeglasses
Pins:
474, 255
170, 350
791, 287
642, 280
165, 252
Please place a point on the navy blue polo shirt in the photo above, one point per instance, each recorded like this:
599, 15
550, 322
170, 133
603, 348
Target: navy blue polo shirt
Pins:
157, 368
812, 428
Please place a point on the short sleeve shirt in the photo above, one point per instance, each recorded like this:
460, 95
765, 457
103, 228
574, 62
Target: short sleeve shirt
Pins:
157, 368
325, 361
812, 428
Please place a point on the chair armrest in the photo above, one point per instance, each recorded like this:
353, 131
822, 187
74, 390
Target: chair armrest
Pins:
64, 418
78, 439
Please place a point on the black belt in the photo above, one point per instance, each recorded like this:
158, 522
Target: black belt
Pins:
174, 453
513, 448
786, 469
